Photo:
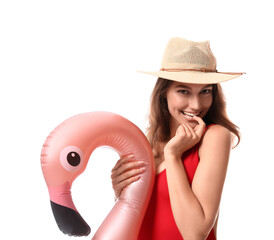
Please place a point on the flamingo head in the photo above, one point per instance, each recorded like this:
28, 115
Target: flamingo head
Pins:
64, 157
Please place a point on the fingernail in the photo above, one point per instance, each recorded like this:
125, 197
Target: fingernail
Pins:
142, 169
130, 156
137, 177
141, 163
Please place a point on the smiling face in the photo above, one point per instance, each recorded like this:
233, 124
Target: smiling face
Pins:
186, 100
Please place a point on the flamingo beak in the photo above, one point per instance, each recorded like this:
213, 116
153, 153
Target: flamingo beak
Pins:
69, 221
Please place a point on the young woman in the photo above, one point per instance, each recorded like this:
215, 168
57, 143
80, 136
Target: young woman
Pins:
191, 137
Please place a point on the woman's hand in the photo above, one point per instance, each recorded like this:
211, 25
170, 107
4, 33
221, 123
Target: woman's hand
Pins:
185, 138
126, 171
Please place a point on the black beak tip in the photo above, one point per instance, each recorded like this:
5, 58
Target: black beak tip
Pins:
69, 221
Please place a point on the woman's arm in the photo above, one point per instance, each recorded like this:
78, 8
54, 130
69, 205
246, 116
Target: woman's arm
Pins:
195, 207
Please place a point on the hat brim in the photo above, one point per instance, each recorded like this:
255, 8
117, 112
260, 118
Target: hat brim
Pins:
194, 77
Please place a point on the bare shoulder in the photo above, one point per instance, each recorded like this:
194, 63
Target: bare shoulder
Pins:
216, 137
217, 133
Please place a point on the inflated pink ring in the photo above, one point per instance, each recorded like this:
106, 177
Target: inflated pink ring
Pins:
64, 157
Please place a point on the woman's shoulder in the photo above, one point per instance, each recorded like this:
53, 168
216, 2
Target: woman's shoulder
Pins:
215, 144
217, 129
216, 134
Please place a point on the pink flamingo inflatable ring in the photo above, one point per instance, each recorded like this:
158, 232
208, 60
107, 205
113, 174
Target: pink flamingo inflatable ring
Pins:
65, 155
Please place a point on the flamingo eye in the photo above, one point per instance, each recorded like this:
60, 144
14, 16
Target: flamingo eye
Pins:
71, 158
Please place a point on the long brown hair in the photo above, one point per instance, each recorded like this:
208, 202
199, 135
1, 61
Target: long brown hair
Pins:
159, 129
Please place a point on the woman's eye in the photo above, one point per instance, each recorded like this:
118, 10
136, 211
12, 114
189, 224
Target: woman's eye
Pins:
206, 91
183, 91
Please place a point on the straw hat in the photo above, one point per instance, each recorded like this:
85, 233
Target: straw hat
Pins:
190, 62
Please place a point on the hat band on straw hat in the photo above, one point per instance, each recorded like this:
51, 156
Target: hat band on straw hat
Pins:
199, 70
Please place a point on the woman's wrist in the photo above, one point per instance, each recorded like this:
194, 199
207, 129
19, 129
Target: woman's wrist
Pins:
171, 155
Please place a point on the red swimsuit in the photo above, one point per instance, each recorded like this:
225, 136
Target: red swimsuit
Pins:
159, 223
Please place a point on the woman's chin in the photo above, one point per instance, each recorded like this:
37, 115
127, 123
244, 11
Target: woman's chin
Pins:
190, 121
193, 124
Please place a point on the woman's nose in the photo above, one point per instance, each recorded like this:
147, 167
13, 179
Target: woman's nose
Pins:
195, 103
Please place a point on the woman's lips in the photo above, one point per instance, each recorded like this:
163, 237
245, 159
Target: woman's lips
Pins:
189, 115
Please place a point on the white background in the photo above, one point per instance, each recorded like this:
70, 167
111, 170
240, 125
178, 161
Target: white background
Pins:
61, 58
